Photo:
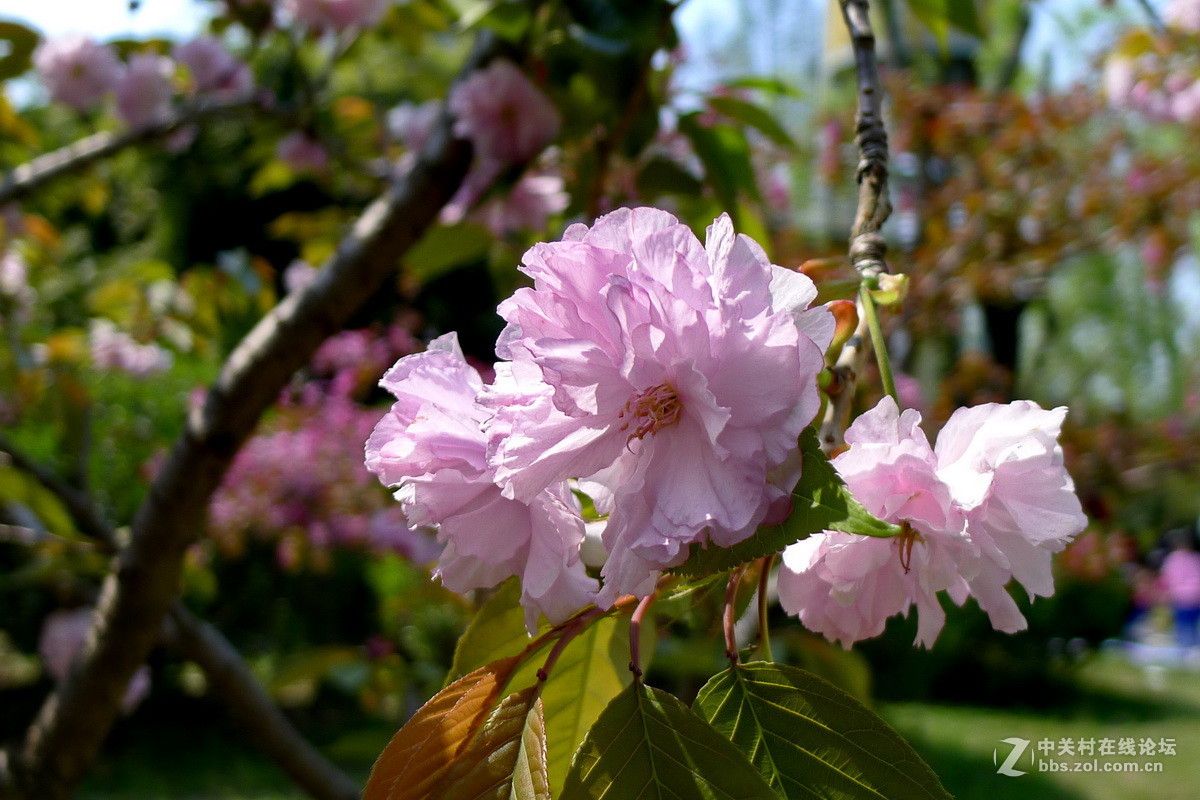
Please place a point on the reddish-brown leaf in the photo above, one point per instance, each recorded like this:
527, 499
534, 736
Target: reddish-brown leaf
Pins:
419, 755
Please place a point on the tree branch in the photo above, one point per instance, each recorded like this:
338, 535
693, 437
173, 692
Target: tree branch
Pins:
868, 250
867, 247
136, 595
229, 678
31, 176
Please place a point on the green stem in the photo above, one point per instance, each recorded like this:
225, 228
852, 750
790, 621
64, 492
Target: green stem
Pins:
764, 628
877, 342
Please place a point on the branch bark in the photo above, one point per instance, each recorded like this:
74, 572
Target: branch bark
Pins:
29, 177
867, 247
139, 591
229, 678
868, 250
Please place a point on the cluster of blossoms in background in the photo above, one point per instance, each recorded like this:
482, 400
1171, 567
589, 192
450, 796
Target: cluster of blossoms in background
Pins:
113, 350
80, 72
301, 484
669, 380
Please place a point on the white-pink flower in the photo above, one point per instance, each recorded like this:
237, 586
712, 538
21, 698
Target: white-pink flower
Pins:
992, 502
1183, 14
63, 636
77, 70
506, 117
432, 447
336, 15
411, 123
675, 377
144, 91
212, 68
115, 351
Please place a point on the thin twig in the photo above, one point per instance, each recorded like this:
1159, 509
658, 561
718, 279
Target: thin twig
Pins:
764, 605
867, 247
729, 615
849, 366
31, 176
1156, 20
635, 636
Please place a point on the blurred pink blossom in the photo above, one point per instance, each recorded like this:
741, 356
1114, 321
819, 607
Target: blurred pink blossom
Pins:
528, 206
144, 91
411, 123
298, 275
62, 639
506, 117
213, 68
77, 70
336, 15
115, 351
302, 153
1183, 14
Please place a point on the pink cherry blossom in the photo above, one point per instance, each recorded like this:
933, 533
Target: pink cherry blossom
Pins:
527, 206
411, 123
62, 639
77, 70
1183, 14
431, 445
115, 351
506, 117
302, 153
336, 15
992, 502
144, 91
674, 376
212, 68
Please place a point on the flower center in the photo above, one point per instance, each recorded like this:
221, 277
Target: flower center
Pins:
905, 541
651, 411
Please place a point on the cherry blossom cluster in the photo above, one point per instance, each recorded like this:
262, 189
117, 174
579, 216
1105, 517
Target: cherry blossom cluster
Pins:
665, 378
80, 72
113, 350
991, 502
666, 382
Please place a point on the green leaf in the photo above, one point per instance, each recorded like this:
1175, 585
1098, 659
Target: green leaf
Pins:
755, 116
446, 247
496, 631
662, 176
820, 502
764, 84
22, 41
648, 744
20, 487
940, 15
591, 671
507, 758
810, 739
725, 154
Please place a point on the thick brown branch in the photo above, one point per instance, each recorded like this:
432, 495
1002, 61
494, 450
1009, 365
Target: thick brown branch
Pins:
229, 678
867, 247
31, 176
137, 594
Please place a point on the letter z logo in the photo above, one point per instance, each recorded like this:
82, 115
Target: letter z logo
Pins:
1018, 750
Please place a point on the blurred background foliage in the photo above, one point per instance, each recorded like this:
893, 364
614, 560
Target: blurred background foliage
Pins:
1046, 213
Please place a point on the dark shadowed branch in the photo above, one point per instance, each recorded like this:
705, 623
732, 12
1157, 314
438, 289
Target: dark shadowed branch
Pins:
230, 680
31, 176
139, 591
